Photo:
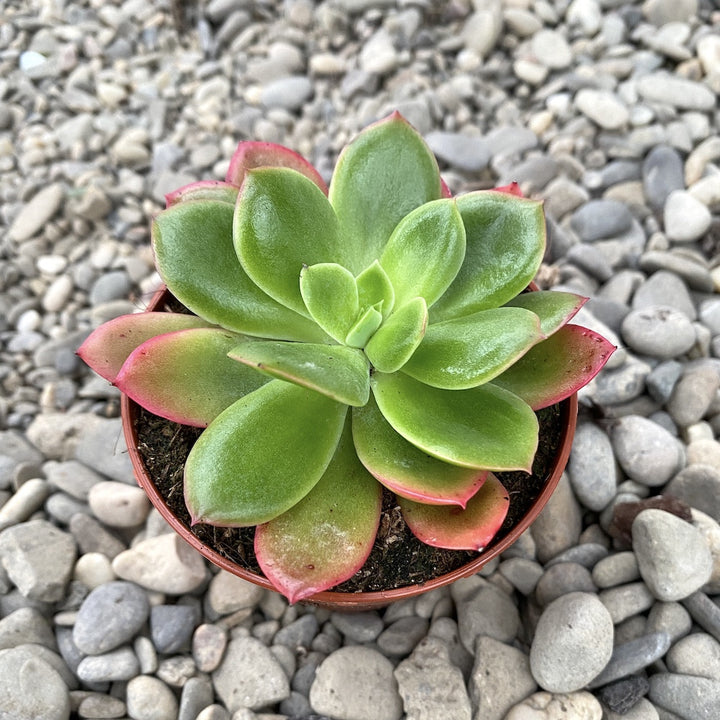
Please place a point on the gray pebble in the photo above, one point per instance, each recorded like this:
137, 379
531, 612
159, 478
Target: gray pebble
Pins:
669, 617
616, 569
681, 93
686, 219
92, 450
592, 467
558, 526
573, 643
289, 93
662, 173
693, 273
35, 214
661, 380
697, 654
664, 288
487, 611
689, 696
561, 579
625, 601
699, 487
299, 633
110, 615
148, 698
587, 553
522, 573
197, 694
600, 219
93, 537
360, 627
704, 612
401, 637
693, 394
119, 664
463, 152
114, 285
25, 625
631, 657
171, 627
659, 331
673, 557
208, 646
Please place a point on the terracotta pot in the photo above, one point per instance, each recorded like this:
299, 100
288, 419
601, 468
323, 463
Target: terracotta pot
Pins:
339, 600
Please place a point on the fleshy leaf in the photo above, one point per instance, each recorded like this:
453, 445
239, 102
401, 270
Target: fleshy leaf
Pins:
251, 154
454, 528
557, 367
465, 352
328, 535
330, 294
108, 346
341, 373
262, 455
195, 257
204, 190
186, 376
425, 252
374, 287
512, 189
398, 337
505, 242
283, 222
484, 427
553, 307
381, 176
364, 328
404, 468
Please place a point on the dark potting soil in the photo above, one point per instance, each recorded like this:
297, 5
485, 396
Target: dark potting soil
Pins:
397, 559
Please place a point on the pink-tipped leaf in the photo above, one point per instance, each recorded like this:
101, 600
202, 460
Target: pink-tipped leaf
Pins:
251, 154
203, 190
454, 528
109, 346
326, 538
553, 307
557, 367
404, 468
186, 376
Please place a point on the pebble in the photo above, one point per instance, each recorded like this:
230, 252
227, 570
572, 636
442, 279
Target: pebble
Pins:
228, 593
113, 666
698, 486
118, 505
356, 683
697, 654
562, 578
603, 108
171, 627
687, 695
557, 706
462, 152
249, 676
361, 627
208, 646
661, 87
626, 601
164, 563
491, 694
110, 616
664, 288
558, 526
673, 557
599, 219
430, 685
38, 558
573, 643
551, 49
289, 93
662, 174
30, 687
632, 657
402, 636
25, 625
591, 468
35, 214
686, 218
486, 612
148, 698
693, 394
671, 618
659, 331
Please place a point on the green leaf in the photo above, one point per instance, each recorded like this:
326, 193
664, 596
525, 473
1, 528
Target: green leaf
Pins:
108, 346
283, 221
374, 287
262, 455
454, 528
380, 177
405, 469
326, 538
364, 328
505, 243
195, 257
553, 307
204, 190
484, 427
330, 294
463, 353
398, 337
186, 376
341, 373
557, 367
251, 154
425, 252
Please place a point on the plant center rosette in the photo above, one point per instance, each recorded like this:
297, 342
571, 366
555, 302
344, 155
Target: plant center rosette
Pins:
375, 333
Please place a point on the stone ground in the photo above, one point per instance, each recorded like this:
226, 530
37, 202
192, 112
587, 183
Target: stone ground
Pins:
604, 108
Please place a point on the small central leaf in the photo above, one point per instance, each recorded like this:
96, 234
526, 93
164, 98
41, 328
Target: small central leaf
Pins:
365, 327
262, 455
425, 252
341, 373
331, 297
374, 286
398, 337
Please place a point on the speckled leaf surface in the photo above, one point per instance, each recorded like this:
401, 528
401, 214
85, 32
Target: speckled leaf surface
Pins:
186, 376
196, 259
468, 351
328, 535
341, 373
405, 469
454, 528
557, 367
262, 455
483, 427
282, 223
425, 252
384, 174
505, 242
108, 346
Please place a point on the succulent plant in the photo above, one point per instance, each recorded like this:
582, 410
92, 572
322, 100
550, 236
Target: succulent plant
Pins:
376, 333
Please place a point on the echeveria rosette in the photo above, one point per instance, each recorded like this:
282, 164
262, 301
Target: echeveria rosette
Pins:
373, 333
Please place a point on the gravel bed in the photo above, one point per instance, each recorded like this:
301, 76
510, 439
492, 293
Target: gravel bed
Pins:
609, 607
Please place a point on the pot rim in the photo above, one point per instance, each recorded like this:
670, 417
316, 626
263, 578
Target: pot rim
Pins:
342, 600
